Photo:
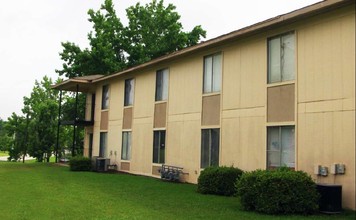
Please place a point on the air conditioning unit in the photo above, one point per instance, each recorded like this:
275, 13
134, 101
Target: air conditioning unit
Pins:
93, 162
330, 198
102, 164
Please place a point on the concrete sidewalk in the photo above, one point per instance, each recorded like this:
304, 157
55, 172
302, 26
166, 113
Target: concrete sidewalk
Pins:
4, 158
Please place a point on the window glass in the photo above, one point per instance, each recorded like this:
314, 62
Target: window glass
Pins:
162, 85
105, 97
159, 146
210, 147
274, 60
103, 144
287, 139
216, 72
129, 92
126, 146
281, 58
205, 141
208, 74
288, 61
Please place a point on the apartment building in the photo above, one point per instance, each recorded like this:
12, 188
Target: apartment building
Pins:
277, 93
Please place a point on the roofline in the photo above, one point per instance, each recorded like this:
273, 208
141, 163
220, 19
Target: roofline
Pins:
304, 12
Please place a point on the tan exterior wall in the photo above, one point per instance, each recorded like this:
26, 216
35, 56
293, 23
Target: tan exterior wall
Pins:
324, 105
326, 99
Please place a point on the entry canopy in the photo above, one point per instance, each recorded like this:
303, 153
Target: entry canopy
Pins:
84, 83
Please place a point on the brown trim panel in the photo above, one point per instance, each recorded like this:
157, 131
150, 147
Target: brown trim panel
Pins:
160, 115
211, 110
127, 121
104, 121
280, 103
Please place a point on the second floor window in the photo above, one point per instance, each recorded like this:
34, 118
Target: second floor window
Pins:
105, 97
212, 73
281, 58
162, 85
129, 92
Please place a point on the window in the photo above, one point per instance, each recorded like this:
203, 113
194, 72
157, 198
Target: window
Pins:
209, 147
280, 146
281, 58
162, 85
103, 144
159, 146
105, 97
212, 73
126, 145
129, 92
90, 145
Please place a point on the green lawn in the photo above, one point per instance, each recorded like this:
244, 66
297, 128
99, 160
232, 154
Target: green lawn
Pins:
49, 191
4, 153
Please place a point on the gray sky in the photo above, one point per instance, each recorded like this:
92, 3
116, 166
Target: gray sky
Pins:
31, 33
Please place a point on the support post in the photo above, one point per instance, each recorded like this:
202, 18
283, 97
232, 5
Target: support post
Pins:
75, 121
59, 123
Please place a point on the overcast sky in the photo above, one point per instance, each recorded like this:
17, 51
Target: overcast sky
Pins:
32, 31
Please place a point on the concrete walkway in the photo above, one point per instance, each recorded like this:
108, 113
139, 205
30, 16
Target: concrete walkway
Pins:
4, 158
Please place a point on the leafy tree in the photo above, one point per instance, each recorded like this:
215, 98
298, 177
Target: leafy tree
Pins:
41, 109
153, 30
5, 139
16, 127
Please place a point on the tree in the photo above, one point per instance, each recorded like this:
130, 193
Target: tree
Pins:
41, 109
5, 139
153, 30
16, 128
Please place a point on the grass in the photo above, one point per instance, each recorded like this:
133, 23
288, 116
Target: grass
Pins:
4, 153
49, 191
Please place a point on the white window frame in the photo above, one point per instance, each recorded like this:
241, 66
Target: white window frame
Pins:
162, 83
212, 73
282, 150
103, 144
126, 145
129, 92
208, 150
105, 97
157, 149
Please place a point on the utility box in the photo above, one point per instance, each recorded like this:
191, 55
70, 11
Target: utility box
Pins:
330, 198
102, 164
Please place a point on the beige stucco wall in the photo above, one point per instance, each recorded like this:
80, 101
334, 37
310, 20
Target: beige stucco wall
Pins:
324, 104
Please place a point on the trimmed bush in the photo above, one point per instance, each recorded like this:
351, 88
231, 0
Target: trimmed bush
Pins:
80, 163
218, 180
281, 191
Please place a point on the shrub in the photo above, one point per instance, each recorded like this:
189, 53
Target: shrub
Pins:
80, 163
281, 191
218, 180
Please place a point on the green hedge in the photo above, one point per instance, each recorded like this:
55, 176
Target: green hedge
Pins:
80, 163
281, 191
218, 180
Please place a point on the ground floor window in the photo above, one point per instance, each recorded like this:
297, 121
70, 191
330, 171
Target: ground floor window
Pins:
103, 144
210, 147
159, 146
280, 146
126, 145
90, 145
